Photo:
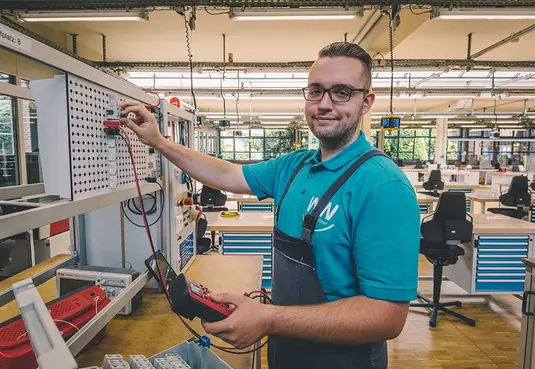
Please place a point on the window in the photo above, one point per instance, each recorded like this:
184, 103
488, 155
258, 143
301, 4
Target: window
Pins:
8, 142
257, 144
408, 145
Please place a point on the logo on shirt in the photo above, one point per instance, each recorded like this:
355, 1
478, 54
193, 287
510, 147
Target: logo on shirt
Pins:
325, 216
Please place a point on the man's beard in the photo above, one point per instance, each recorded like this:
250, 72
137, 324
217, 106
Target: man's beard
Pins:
336, 138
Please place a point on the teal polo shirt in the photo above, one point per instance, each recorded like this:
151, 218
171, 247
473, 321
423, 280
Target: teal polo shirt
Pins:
367, 239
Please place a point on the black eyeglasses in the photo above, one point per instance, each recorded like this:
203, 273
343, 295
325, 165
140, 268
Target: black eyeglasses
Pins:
336, 93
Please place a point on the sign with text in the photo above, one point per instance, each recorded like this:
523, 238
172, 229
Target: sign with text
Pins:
14, 40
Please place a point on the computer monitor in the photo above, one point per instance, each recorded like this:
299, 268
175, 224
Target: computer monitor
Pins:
212, 198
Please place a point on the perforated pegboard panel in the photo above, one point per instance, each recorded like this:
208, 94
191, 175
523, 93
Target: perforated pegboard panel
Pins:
89, 151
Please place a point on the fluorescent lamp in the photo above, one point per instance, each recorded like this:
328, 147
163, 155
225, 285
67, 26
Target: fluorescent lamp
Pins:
461, 121
439, 116
82, 15
276, 115
486, 13
492, 116
429, 126
511, 127
417, 122
473, 126
277, 97
258, 14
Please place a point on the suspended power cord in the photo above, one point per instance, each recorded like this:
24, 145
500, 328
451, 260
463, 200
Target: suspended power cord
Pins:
391, 40
420, 13
190, 57
237, 102
222, 79
219, 13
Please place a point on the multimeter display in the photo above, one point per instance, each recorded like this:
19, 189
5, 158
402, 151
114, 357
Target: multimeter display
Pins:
195, 289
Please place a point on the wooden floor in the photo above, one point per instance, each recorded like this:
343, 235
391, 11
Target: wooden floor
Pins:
492, 344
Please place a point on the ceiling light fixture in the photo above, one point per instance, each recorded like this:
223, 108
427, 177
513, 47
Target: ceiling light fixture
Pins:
486, 13
82, 15
492, 116
260, 14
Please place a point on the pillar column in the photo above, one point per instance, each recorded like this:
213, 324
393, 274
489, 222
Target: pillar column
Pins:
381, 140
441, 144
366, 126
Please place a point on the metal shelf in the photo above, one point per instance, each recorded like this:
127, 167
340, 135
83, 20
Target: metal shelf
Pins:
24, 221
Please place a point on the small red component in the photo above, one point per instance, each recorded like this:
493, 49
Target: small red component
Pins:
111, 123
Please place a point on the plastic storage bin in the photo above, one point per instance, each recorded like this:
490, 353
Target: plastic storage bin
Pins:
196, 356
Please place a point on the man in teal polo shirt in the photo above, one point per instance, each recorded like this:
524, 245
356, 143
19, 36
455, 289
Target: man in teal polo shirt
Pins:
346, 236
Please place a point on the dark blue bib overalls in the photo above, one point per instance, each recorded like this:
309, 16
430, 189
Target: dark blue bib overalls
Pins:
295, 282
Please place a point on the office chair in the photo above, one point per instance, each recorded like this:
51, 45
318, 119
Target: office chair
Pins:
532, 185
434, 183
6, 246
518, 195
419, 165
439, 244
400, 163
203, 243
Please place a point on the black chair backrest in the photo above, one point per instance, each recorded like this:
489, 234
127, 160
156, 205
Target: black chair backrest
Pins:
434, 182
419, 165
449, 224
518, 193
202, 224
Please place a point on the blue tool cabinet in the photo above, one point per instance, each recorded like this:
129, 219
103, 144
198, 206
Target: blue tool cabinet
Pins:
492, 264
251, 243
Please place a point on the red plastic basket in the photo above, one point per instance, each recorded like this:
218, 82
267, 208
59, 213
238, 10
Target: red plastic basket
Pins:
77, 308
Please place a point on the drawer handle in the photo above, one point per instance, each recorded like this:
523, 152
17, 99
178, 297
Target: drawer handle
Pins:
525, 301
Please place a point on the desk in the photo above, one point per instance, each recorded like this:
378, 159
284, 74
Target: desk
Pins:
454, 185
457, 187
154, 328
426, 202
504, 178
492, 197
251, 203
248, 234
492, 263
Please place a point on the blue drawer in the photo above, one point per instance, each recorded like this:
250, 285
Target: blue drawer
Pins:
266, 283
424, 208
247, 237
497, 285
186, 250
532, 214
259, 207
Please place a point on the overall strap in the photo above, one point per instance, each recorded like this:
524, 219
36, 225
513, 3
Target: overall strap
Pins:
309, 224
295, 173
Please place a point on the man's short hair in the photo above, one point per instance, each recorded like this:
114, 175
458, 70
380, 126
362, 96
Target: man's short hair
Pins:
349, 50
